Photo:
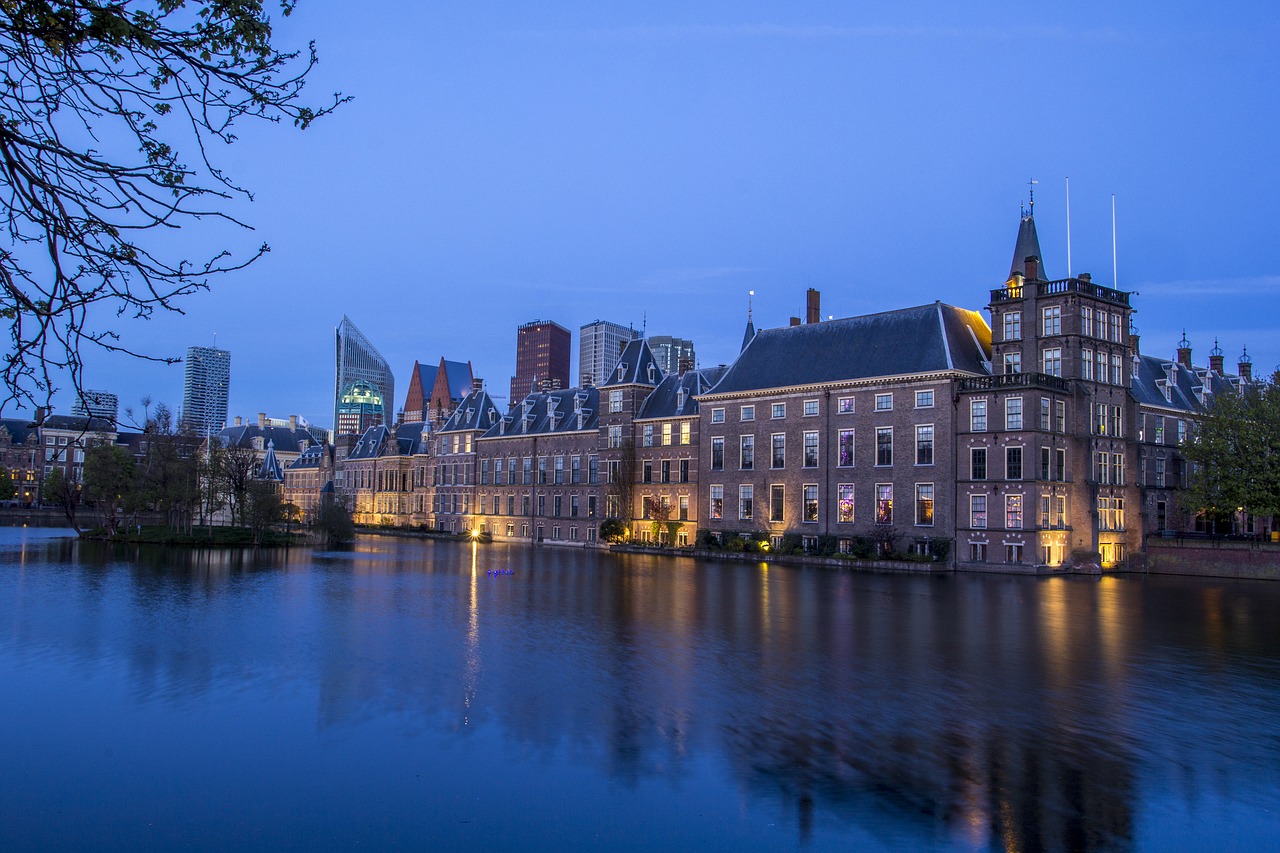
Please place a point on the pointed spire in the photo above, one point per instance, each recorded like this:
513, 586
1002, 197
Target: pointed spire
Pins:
1027, 246
750, 331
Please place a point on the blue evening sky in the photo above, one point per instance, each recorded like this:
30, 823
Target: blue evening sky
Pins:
573, 161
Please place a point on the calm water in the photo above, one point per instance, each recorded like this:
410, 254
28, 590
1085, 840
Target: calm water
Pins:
401, 695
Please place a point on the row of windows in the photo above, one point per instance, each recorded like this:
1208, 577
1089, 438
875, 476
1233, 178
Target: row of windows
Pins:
667, 434
1053, 511
567, 506
882, 507
1053, 464
1052, 415
844, 406
844, 449
1104, 325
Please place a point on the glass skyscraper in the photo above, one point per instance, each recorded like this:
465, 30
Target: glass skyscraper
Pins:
358, 361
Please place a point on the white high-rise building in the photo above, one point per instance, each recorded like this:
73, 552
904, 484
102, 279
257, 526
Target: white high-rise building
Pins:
96, 404
206, 381
599, 345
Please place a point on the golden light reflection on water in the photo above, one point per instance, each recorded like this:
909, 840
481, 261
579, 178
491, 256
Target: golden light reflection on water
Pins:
765, 625
1111, 626
1056, 627
472, 669
1215, 629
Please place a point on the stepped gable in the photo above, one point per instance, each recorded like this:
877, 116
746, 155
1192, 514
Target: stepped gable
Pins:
908, 341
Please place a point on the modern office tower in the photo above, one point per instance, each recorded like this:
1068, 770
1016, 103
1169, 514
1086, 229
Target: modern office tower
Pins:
359, 408
204, 389
359, 361
668, 352
599, 345
96, 404
542, 354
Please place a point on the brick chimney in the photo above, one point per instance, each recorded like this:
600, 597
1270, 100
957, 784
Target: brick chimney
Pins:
812, 306
239, 421
1087, 278
293, 421
1245, 366
795, 321
262, 419
1184, 351
1032, 266
1216, 361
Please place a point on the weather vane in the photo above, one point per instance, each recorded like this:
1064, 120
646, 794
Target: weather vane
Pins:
1032, 194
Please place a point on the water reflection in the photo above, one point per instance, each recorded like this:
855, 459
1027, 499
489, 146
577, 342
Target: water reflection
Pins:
965, 712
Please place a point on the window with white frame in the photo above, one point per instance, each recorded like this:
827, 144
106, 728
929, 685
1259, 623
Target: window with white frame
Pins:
924, 399
1051, 320
978, 415
1052, 361
778, 410
746, 494
810, 408
924, 444
844, 505
978, 511
844, 405
1013, 413
924, 504
884, 402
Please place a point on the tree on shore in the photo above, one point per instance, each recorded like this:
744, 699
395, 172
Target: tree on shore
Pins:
98, 97
1234, 454
333, 520
62, 493
111, 482
7, 487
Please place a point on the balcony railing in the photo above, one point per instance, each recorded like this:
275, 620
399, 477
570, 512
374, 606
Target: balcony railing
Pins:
1016, 380
1062, 285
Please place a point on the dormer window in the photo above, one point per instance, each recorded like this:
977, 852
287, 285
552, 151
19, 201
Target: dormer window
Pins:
649, 372
622, 370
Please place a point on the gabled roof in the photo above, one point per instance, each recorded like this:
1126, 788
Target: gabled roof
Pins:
406, 439
636, 366
20, 429
924, 339
371, 443
312, 457
458, 374
676, 396
285, 440
476, 411
551, 412
1186, 387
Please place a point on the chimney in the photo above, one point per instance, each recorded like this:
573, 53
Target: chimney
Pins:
1032, 266
293, 421
812, 306
587, 381
1133, 342
1184, 351
1245, 366
239, 421
1216, 361
1087, 278
795, 321
262, 419
477, 384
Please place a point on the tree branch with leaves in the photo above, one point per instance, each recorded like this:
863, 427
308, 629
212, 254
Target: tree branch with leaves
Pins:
96, 99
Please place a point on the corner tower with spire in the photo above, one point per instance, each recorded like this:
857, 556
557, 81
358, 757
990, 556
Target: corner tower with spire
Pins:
1053, 425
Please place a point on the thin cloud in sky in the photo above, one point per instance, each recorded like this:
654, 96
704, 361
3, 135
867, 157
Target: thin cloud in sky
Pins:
820, 32
1263, 285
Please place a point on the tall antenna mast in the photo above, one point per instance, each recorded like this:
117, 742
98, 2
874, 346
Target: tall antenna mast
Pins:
1115, 282
1068, 180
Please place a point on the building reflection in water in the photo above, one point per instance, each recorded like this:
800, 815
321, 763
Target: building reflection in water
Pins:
970, 711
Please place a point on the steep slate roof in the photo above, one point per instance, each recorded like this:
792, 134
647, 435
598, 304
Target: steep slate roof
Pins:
270, 468
312, 457
533, 415
476, 411
458, 374
1028, 244
666, 401
1186, 387
19, 429
406, 439
635, 361
78, 423
286, 440
924, 339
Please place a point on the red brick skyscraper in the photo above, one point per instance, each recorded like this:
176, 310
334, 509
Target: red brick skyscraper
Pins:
542, 353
